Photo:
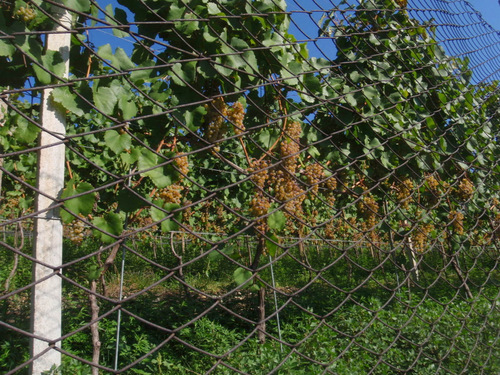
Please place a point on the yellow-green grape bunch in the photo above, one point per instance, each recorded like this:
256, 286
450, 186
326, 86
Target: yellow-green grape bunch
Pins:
259, 172
432, 183
405, 189
465, 189
289, 153
314, 174
337, 229
369, 207
286, 189
457, 221
183, 165
215, 121
421, 236
436, 187
75, 231
294, 130
331, 200
171, 194
289, 146
331, 184
236, 115
26, 14
259, 206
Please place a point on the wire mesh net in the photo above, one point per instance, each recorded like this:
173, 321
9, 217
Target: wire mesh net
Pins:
249, 187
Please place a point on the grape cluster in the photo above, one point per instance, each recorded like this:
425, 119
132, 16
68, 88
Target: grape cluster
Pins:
171, 194
369, 207
294, 130
465, 189
75, 231
432, 183
183, 165
337, 229
259, 206
421, 236
331, 184
289, 154
286, 189
187, 212
27, 14
457, 221
314, 174
436, 187
404, 191
236, 115
289, 146
331, 200
259, 172
281, 179
215, 121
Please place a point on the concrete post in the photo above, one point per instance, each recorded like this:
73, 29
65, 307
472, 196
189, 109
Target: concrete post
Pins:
47, 295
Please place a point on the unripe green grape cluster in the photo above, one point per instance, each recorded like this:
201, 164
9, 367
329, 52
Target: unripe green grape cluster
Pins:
26, 14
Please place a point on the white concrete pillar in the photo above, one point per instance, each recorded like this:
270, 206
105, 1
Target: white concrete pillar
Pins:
47, 295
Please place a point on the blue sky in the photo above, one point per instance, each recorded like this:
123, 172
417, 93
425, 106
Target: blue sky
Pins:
490, 11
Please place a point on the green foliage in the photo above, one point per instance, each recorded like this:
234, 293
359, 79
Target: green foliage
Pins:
382, 325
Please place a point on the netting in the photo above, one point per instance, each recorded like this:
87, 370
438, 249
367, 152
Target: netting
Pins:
249, 187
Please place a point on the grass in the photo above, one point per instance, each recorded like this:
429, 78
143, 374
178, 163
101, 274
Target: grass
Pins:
348, 315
